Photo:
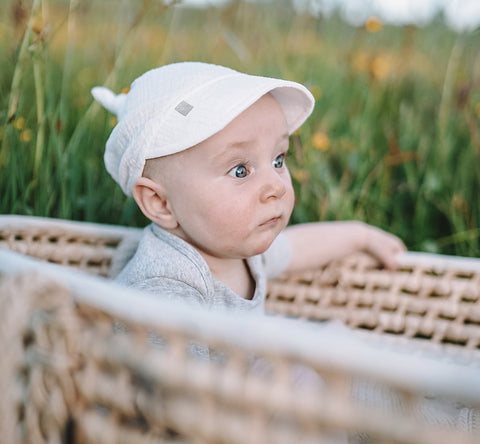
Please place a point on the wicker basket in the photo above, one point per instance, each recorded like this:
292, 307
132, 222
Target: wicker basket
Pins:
87, 361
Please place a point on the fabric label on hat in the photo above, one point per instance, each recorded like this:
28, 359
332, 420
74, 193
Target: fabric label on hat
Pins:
183, 108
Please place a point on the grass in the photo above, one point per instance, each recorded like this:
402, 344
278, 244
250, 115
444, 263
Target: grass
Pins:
394, 139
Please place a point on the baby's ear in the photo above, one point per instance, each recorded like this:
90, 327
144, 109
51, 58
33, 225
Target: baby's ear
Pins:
152, 199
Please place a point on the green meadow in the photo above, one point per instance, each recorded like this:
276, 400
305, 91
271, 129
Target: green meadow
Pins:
394, 139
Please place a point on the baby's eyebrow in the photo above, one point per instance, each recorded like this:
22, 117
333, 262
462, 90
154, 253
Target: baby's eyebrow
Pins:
284, 141
284, 137
240, 144
230, 149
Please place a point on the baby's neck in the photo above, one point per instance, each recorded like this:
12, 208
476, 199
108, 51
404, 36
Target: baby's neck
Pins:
235, 274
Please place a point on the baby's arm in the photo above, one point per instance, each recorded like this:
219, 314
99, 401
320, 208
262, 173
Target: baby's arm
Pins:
315, 244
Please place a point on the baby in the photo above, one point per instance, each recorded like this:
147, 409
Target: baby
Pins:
202, 149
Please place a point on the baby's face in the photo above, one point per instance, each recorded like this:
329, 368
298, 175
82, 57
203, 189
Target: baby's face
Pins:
232, 194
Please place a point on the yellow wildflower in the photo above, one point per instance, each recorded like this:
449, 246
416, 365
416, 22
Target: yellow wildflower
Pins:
19, 123
373, 24
380, 67
113, 121
26, 135
320, 141
37, 24
125, 90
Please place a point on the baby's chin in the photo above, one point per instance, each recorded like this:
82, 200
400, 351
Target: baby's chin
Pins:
263, 246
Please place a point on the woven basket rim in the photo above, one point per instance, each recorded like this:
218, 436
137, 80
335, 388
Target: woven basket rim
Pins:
89, 228
271, 335
406, 259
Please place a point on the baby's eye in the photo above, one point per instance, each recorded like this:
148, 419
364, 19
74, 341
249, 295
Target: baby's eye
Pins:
279, 161
239, 171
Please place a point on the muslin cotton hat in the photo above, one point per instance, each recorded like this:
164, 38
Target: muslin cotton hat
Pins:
174, 107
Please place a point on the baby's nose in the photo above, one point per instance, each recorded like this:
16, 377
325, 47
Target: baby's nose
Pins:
273, 186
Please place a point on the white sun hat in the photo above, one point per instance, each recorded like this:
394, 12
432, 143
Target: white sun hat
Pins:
174, 107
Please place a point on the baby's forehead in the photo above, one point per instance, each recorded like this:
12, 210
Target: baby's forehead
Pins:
264, 116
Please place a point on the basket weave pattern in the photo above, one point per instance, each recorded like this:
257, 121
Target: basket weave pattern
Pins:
424, 301
85, 375
64, 246
81, 380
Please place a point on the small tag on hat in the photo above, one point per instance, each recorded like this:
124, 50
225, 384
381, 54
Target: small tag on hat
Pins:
183, 108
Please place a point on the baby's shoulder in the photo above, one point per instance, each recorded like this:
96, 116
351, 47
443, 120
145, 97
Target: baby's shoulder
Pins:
161, 260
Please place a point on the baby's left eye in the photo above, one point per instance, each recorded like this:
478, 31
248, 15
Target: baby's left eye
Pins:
239, 172
279, 161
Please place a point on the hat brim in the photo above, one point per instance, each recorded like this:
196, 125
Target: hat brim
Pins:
216, 104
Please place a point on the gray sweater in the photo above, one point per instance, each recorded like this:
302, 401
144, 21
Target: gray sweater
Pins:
169, 267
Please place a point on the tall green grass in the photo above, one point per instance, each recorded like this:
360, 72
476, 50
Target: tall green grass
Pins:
394, 139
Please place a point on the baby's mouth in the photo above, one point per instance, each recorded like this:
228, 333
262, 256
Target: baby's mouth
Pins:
271, 222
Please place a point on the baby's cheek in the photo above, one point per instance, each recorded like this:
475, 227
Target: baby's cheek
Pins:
290, 200
230, 216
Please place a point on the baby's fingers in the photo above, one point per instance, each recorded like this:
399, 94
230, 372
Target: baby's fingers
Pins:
385, 247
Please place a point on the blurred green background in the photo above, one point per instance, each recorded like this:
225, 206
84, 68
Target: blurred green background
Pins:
394, 139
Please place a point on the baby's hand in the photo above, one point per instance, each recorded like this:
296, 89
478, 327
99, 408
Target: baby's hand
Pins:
383, 246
